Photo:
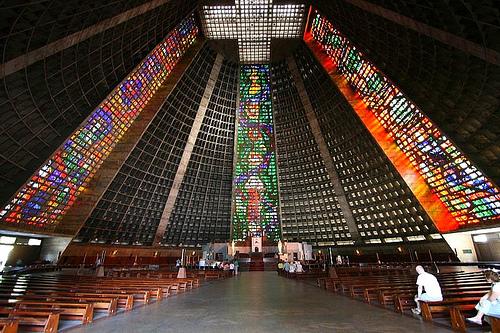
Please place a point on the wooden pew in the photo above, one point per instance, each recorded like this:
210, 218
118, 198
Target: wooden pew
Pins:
461, 291
9, 325
457, 318
139, 294
71, 297
458, 313
405, 300
109, 305
45, 321
494, 323
213, 275
71, 311
124, 301
432, 310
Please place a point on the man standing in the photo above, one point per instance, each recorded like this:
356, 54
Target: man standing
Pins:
236, 266
430, 284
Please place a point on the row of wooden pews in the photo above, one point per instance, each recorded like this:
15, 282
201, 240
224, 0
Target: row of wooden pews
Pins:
395, 288
8, 325
209, 274
48, 302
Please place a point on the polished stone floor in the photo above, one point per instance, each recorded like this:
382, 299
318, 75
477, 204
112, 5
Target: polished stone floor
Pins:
258, 302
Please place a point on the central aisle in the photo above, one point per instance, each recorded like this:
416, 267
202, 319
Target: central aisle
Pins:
258, 302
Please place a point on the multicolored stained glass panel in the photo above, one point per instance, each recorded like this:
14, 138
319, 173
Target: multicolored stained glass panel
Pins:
468, 194
255, 181
52, 190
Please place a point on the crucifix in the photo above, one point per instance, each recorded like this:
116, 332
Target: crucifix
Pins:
253, 23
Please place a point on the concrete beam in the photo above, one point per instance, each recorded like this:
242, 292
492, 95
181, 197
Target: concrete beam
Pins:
323, 149
445, 37
186, 155
43, 52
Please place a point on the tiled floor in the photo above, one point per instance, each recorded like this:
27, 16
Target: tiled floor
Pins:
258, 302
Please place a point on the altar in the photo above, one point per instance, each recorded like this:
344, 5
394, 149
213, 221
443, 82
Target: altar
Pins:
229, 250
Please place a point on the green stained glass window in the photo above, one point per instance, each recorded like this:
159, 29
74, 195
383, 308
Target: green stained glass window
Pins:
255, 180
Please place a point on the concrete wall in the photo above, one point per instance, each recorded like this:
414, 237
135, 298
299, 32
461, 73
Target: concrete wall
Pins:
460, 242
52, 247
490, 250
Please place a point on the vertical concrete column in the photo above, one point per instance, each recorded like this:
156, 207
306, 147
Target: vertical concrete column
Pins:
323, 148
186, 155
235, 156
278, 206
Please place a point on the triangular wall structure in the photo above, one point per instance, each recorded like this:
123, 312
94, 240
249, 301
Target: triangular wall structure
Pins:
175, 185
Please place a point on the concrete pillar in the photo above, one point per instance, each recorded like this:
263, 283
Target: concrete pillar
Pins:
43, 52
323, 149
186, 155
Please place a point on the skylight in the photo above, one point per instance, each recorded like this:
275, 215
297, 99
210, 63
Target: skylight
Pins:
253, 23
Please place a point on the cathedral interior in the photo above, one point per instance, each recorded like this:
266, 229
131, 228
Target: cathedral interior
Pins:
138, 132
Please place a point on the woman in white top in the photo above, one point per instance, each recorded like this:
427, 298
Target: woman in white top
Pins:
489, 303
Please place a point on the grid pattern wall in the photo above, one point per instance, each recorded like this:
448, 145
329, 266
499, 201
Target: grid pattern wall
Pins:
288, 20
44, 102
477, 21
202, 211
220, 22
130, 210
470, 197
310, 211
458, 91
28, 25
52, 190
383, 206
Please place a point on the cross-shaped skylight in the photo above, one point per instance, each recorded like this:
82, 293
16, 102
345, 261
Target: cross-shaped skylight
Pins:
253, 23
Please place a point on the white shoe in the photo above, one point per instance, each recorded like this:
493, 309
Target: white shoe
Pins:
475, 320
415, 311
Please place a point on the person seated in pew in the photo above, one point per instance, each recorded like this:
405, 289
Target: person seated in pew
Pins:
287, 266
429, 283
489, 304
299, 268
293, 267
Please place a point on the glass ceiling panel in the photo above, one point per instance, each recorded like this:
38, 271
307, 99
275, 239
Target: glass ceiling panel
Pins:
253, 23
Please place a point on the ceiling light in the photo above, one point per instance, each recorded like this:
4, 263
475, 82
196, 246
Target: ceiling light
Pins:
7, 240
34, 241
480, 238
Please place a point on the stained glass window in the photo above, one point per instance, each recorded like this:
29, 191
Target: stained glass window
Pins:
52, 190
255, 181
468, 194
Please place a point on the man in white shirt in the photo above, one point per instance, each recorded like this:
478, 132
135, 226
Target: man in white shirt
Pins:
430, 284
299, 268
